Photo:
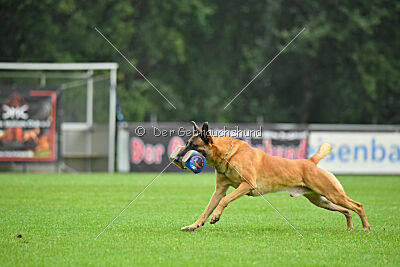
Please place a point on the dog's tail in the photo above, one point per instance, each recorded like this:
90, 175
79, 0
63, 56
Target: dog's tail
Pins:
323, 150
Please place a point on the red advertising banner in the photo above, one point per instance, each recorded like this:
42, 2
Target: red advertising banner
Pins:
29, 124
151, 145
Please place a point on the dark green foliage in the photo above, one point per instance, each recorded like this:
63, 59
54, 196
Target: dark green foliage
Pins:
343, 69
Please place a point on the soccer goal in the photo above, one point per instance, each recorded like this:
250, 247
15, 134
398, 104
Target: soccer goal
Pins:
88, 110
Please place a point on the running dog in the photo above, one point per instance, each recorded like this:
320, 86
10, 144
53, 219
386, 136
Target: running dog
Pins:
251, 171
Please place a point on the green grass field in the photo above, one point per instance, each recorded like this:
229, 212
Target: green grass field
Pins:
60, 215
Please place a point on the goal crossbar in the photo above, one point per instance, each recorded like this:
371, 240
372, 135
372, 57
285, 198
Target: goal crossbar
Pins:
58, 66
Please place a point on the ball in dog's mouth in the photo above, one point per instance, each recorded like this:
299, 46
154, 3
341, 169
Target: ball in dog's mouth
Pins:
192, 160
195, 162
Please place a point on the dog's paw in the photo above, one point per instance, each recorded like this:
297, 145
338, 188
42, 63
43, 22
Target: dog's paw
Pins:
190, 227
215, 218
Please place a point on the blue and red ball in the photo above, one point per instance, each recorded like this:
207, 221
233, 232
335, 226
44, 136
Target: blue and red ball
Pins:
192, 160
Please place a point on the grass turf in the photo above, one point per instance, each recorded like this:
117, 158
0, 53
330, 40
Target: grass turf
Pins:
59, 216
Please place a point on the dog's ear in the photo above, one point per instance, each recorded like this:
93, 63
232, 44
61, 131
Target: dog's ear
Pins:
205, 134
196, 129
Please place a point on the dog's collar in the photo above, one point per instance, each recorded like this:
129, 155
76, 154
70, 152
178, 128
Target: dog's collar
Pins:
225, 156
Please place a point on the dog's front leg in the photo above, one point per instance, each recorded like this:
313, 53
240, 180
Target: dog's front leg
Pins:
220, 191
243, 189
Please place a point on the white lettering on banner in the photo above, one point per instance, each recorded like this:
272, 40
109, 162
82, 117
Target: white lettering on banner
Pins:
17, 113
163, 132
359, 152
25, 123
14, 154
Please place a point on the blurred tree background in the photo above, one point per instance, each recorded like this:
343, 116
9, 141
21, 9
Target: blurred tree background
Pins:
344, 68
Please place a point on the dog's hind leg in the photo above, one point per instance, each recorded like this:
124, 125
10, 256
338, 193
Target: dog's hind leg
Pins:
326, 184
322, 202
347, 202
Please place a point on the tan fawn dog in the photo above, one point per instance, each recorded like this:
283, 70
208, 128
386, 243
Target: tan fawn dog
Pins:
268, 174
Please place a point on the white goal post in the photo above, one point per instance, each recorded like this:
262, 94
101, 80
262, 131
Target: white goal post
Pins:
89, 67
